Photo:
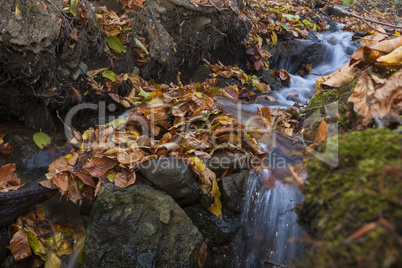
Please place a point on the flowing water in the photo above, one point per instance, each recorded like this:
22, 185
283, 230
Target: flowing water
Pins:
270, 232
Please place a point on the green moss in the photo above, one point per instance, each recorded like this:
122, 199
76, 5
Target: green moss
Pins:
346, 117
364, 188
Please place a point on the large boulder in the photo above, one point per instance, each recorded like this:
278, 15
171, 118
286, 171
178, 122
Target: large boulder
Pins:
174, 177
139, 227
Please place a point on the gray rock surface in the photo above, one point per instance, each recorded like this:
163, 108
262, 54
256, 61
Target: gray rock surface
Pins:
174, 177
139, 227
233, 190
217, 230
221, 161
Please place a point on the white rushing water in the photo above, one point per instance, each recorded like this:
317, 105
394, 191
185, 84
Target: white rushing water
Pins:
270, 231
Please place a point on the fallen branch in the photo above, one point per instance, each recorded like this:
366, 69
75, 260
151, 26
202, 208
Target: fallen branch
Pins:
21, 201
366, 20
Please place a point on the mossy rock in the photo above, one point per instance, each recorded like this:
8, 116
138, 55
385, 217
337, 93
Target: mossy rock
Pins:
364, 190
345, 117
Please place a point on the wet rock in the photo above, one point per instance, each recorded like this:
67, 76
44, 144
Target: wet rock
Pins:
273, 82
39, 118
174, 177
4, 242
233, 190
358, 35
201, 73
217, 231
139, 227
291, 55
221, 161
27, 155
333, 26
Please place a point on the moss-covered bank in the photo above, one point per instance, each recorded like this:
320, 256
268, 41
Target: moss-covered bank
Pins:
346, 118
354, 210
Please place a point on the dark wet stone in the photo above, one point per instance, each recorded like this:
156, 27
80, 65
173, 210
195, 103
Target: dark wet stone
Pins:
221, 161
217, 231
291, 55
233, 190
39, 118
358, 35
174, 177
4, 243
27, 155
139, 227
267, 78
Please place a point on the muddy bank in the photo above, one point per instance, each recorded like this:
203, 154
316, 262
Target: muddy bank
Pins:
46, 49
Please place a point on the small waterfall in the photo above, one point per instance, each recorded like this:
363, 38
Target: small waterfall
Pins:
334, 50
270, 232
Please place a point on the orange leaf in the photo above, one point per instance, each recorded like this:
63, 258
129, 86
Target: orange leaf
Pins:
322, 132
202, 255
6, 171
99, 166
19, 245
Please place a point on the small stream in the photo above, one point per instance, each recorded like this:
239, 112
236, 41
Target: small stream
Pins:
270, 231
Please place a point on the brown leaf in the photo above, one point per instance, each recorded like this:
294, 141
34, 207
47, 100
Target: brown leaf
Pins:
372, 40
373, 96
122, 180
343, 75
85, 178
73, 193
93, 73
322, 132
387, 98
77, 94
370, 55
362, 94
6, 149
388, 46
61, 182
126, 158
58, 165
19, 245
99, 166
202, 255
46, 184
6, 171
97, 188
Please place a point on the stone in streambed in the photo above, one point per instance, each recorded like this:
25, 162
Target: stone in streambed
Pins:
174, 177
139, 227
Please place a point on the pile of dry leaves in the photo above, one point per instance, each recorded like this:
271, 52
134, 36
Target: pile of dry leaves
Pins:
377, 66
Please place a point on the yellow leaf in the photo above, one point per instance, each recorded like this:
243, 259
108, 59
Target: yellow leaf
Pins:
392, 59
274, 38
216, 208
198, 163
17, 10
